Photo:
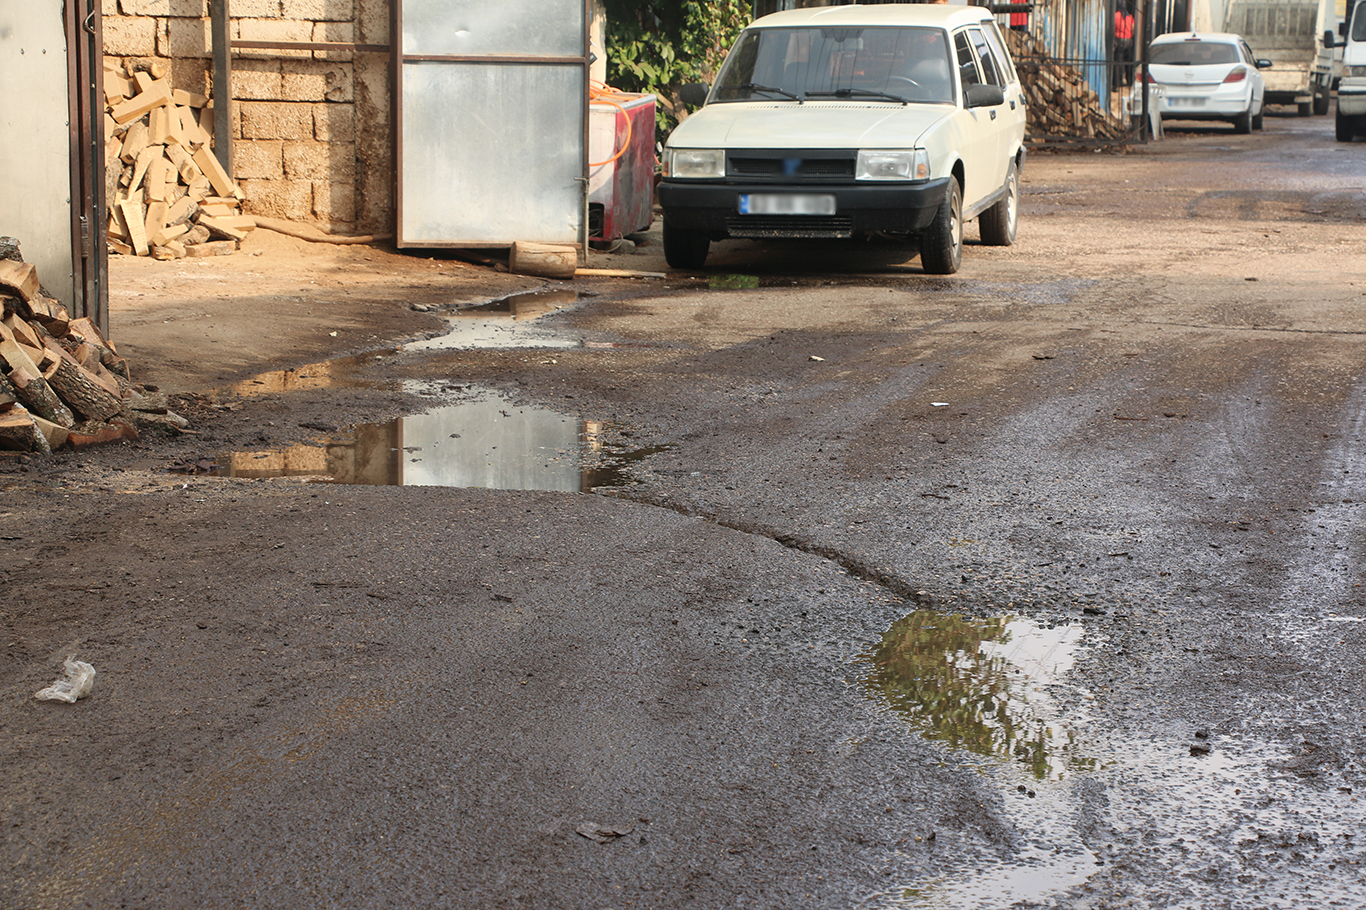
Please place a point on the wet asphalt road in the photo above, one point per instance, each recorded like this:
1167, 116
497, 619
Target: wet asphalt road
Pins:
1036, 586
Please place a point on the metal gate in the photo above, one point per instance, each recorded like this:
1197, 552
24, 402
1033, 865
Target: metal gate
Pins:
491, 111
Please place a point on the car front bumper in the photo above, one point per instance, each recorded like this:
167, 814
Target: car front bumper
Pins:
1352, 97
715, 208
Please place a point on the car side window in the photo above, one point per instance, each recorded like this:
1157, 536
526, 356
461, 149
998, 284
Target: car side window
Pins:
990, 70
1003, 60
967, 64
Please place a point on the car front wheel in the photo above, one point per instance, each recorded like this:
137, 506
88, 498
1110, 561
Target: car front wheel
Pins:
685, 248
941, 244
999, 223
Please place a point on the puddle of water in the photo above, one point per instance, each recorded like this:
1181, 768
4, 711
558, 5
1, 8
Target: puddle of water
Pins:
504, 323
487, 443
339, 373
983, 685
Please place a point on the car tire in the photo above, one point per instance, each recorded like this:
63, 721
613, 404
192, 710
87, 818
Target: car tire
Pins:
1257, 118
685, 248
999, 223
1243, 122
1304, 108
1342, 127
941, 244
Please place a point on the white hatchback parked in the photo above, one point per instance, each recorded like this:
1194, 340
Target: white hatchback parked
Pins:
843, 121
1208, 76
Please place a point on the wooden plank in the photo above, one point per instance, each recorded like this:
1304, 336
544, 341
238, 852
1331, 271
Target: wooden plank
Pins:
184, 164
222, 228
154, 186
239, 222
158, 125
143, 79
188, 99
217, 209
134, 142
175, 127
145, 158
155, 220
168, 233
180, 211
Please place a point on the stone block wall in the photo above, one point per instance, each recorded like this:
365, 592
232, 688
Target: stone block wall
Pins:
311, 129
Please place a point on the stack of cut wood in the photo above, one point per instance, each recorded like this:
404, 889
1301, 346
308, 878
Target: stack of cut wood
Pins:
61, 382
168, 195
1061, 103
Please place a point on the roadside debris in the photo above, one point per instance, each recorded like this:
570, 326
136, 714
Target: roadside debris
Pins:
604, 833
79, 680
168, 196
61, 382
1061, 102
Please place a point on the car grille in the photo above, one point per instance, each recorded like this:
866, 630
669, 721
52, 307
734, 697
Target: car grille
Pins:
756, 227
808, 168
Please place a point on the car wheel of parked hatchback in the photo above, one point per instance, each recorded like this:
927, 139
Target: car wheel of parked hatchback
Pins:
1243, 122
685, 248
941, 244
1257, 119
999, 223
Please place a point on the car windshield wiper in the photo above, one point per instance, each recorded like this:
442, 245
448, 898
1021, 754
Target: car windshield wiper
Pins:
857, 93
752, 87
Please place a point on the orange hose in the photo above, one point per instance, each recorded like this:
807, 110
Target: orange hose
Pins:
604, 94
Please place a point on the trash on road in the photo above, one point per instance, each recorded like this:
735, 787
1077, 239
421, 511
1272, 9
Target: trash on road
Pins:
79, 680
604, 833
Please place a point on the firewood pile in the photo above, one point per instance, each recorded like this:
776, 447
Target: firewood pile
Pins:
168, 195
1061, 103
61, 382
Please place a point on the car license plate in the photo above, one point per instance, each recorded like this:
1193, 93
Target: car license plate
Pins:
787, 204
1185, 102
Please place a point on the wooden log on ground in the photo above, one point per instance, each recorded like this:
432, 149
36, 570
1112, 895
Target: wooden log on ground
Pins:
82, 392
19, 432
546, 260
35, 393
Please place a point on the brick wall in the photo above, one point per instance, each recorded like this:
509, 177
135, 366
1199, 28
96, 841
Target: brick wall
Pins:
311, 129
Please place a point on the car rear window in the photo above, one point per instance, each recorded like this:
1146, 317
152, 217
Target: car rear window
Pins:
1192, 53
910, 63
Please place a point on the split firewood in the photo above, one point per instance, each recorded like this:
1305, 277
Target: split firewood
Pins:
18, 431
33, 390
82, 390
19, 277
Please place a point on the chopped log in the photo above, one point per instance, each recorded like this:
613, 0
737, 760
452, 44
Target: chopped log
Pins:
145, 158
97, 433
168, 234
86, 331
7, 393
197, 236
154, 186
188, 99
157, 95
82, 391
208, 164
215, 248
33, 390
181, 211
222, 228
55, 434
21, 277
19, 330
546, 260
135, 222
19, 432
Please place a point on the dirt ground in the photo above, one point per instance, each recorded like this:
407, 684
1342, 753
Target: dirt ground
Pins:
366, 695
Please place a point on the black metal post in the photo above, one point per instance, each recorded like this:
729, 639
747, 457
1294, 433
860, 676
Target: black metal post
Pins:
222, 83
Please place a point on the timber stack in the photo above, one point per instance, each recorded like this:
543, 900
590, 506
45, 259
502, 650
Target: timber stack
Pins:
1062, 105
169, 198
61, 382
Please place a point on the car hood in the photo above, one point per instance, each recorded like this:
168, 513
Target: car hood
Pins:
814, 124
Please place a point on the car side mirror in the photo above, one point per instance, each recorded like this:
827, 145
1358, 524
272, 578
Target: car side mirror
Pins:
694, 94
981, 95
1263, 64
1328, 40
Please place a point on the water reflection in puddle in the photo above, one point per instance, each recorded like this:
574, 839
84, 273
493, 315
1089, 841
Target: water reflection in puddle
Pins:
488, 443
338, 373
504, 323
984, 685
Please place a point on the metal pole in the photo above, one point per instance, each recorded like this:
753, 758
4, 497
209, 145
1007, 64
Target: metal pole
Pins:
222, 83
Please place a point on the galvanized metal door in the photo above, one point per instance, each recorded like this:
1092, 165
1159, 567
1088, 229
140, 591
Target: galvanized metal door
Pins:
52, 180
491, 113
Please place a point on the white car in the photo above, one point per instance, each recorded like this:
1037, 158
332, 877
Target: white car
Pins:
844, 121
1351, 116
1207, 76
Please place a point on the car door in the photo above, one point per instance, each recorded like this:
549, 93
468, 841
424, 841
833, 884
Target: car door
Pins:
1258, 82
999, 118
979, 141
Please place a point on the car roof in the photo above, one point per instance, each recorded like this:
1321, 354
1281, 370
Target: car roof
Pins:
1211, 37
938, 15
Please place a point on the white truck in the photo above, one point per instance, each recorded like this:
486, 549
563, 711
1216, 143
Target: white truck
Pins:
1291, 33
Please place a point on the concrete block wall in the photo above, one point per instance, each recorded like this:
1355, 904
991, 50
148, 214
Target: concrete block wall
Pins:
311, 129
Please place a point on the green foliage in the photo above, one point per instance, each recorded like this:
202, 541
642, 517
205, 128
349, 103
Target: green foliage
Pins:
659, 45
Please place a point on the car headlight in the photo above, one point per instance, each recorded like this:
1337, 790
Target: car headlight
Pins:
1354, 71
876, 164
695, 164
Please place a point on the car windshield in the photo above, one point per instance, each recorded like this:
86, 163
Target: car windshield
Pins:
1359, 23
870, 64
1192, 53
